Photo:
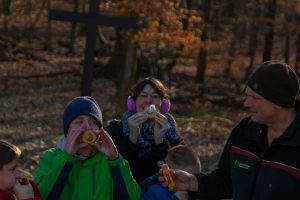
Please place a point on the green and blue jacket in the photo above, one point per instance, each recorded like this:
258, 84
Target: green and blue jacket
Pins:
61, 176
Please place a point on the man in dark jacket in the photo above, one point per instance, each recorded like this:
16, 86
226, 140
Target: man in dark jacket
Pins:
261, 158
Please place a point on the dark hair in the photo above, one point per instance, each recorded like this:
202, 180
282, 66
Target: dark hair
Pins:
8, 152
157, 85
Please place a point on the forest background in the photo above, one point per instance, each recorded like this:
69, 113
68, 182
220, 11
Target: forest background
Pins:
203, 50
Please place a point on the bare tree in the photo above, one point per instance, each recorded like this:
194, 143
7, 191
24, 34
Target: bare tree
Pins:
126, 75
253, 35
269, 36
6, 4
297, 61
202, 57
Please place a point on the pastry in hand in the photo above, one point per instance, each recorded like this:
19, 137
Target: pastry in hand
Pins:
88, 136
151, 111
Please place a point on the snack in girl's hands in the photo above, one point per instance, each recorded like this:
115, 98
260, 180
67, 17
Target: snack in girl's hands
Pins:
88, 136
23, 181
151, 111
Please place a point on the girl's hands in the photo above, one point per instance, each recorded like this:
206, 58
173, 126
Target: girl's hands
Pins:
134, 123
160, 127
23, 189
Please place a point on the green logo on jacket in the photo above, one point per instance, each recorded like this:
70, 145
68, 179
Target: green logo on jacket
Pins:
239, 164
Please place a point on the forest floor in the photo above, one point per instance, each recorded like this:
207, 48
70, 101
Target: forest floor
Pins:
33, 95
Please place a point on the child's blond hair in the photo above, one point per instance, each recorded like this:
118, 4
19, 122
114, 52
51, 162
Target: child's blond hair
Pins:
182, 157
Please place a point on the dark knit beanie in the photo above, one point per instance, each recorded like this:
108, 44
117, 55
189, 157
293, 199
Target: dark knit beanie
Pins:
82, 105
276, 82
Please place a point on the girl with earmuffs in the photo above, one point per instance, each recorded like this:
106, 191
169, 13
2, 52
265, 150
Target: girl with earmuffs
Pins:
144, 141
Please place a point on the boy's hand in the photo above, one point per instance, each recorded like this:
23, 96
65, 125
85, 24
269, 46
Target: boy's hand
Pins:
23, 189
72, 146
183, 180
106, 145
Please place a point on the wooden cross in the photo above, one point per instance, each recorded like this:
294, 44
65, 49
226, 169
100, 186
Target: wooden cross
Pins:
92, 19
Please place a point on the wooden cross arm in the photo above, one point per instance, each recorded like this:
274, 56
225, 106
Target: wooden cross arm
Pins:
96, 19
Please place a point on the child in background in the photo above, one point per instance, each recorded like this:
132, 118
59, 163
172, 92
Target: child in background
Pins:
178, 157
13, 186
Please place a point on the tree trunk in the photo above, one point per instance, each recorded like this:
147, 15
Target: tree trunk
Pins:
251, 53
252, 43
287, 18
5, 24
297, 62
269, 36
231, 5
48, 42
127, 73
287, 47
232, 48
6, 12
123, 67
186, 4
297, 59
73, 29
201, 66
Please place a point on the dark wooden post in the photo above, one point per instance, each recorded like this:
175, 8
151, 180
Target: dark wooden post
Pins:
90, 45
92, 19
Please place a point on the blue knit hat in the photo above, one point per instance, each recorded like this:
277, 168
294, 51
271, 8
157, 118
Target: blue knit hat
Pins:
82, 105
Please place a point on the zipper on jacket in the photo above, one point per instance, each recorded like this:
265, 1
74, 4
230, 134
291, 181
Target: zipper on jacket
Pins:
93, 181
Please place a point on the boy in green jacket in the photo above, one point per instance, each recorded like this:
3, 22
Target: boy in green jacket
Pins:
85, 166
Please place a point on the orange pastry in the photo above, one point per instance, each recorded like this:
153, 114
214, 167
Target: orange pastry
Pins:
88, 136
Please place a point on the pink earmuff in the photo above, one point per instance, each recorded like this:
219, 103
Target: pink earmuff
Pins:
131, 104
164, 108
